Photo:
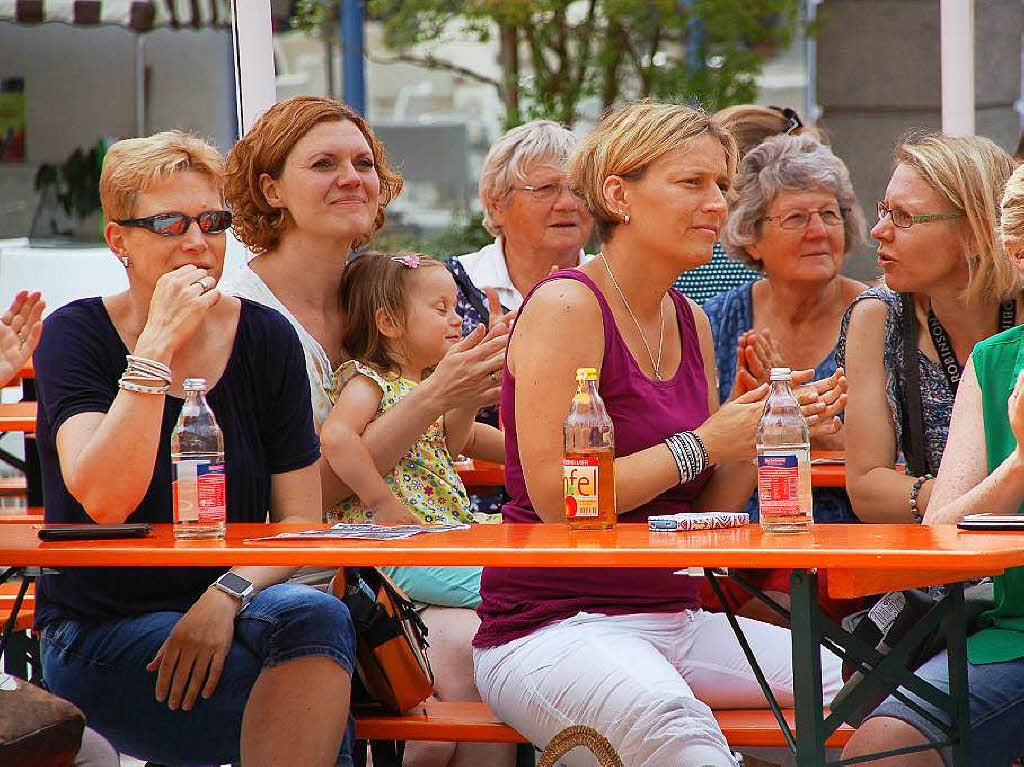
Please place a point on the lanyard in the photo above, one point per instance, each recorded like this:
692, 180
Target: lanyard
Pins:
950, 365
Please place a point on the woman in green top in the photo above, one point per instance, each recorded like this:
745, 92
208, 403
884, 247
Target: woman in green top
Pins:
982, 470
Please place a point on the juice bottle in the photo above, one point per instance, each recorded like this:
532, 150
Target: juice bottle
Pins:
783, 460
588, 468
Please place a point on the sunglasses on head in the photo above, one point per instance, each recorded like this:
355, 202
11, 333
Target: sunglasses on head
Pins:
176, 224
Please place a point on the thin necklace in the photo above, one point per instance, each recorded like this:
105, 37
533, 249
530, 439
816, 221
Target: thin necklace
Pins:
661, 338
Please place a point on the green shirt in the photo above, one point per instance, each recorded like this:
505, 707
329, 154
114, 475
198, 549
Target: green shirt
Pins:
997, 361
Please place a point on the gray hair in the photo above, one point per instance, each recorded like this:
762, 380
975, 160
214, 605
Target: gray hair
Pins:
787, 163
541, 141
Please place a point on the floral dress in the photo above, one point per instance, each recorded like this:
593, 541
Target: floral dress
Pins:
425, 478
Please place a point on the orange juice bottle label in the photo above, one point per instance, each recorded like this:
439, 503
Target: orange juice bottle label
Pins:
579, 484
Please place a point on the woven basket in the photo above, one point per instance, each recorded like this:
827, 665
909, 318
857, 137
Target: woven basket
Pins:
579, 735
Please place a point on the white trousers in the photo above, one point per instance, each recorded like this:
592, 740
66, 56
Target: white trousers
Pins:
647, 682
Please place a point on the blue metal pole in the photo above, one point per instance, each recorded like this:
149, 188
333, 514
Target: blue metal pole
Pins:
352, 44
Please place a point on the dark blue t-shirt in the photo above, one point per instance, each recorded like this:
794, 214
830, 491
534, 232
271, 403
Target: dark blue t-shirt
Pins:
261, 404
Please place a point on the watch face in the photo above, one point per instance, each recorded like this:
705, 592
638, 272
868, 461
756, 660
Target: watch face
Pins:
236, 583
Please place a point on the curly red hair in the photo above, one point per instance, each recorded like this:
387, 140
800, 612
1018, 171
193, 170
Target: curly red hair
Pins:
265, 148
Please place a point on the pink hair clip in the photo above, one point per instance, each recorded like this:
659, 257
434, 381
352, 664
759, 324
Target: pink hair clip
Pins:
410, 260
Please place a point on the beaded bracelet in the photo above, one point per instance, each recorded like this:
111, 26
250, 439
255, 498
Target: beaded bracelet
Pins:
142, 389
690, 455
914, 491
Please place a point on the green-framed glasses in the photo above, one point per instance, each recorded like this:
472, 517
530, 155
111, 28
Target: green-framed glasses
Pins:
903, 220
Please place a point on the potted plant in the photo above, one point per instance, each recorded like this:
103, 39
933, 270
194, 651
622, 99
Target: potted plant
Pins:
69, 204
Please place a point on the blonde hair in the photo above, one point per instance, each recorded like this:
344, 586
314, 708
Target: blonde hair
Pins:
628, 141
751, 124
135, 165
374, 281
540, 141
265, 148
969, 172
1011, 223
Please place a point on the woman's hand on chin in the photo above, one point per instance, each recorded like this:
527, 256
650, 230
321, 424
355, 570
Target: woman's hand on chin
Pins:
180, 301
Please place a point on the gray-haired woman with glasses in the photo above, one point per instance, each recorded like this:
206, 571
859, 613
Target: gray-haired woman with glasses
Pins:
949, 286
794, 220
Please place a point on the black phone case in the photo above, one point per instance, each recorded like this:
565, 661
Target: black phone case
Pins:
93, 532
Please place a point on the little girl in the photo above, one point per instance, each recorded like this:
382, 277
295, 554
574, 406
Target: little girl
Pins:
400, 321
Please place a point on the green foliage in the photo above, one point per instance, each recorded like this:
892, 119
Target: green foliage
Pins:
465, 235
558, 53
76, 181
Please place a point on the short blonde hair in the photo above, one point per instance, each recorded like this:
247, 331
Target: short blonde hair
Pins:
628, 141
135, 165
539, 141
1011, 223
265, 149
750, 124
970, 173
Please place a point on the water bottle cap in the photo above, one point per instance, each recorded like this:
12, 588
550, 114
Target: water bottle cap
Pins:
586, 374
782, 374
194, 384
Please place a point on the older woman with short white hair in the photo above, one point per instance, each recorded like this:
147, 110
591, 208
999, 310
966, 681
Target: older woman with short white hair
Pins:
795, 218
537, 222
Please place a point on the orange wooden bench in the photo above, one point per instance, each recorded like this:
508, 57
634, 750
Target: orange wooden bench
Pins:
18, 416
22, 651
13, 486
31, 515
474, 722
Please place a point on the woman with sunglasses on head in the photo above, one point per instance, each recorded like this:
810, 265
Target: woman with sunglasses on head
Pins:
903, 346
183, 665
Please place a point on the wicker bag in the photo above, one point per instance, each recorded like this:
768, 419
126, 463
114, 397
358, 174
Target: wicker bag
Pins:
580, 735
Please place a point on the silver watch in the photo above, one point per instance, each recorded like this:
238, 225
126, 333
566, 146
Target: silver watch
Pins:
235, 585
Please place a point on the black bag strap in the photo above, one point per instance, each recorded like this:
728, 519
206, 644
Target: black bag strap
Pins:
472, 293
913, 419
371, 620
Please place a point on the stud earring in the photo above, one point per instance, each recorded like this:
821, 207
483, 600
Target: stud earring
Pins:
625, 217
123, 258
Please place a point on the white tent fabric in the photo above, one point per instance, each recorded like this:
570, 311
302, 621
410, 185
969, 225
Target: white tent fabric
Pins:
138, 15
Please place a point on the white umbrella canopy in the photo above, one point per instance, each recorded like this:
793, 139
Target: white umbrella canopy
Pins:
138, 15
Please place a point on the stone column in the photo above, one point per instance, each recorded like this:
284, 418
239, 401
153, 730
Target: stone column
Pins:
879, 75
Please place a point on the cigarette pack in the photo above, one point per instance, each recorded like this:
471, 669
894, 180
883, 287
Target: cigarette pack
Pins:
693, 520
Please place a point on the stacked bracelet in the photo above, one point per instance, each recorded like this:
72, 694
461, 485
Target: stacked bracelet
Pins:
145, 376
690, 455
914, 491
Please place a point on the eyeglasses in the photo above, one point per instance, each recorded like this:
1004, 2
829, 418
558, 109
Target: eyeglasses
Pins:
547, 192
793, 121
801, 219
903, 220
176, 224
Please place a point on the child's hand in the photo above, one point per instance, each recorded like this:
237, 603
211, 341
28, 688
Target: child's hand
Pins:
392, 511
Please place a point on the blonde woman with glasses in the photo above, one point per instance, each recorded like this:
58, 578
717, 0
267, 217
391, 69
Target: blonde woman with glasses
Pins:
904, 346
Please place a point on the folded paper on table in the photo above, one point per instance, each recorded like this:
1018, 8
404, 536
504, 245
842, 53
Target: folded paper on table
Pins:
363, 531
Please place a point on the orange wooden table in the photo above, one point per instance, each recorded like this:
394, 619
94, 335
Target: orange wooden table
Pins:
18, 416
27, 372
860, 559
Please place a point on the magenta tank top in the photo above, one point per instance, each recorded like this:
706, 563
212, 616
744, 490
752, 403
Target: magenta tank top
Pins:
517, 600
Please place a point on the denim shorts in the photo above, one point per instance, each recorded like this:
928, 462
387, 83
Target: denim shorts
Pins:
996, 709
101, 668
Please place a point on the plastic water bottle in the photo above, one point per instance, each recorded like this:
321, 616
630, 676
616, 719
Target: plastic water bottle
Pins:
588, 458
783, 460
197, 467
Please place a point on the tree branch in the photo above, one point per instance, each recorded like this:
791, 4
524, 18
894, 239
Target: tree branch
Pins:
431, 62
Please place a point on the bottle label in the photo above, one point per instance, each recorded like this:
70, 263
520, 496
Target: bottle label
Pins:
579, 484
199, 492
778, 484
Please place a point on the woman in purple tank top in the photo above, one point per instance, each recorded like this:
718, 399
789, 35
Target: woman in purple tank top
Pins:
628, 651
